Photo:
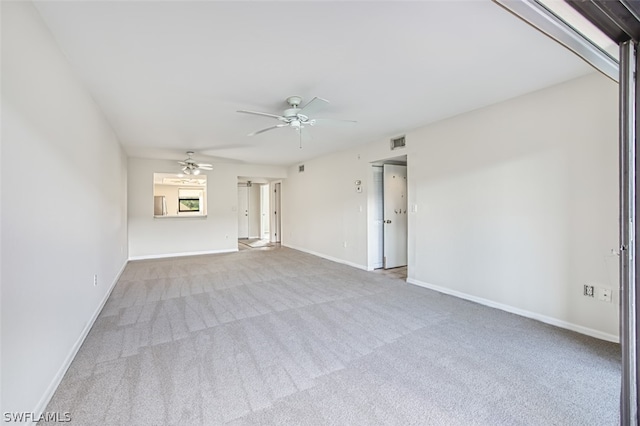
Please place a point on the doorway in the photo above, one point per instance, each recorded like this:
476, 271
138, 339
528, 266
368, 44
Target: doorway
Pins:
251, 208
258, 212
394, 200
388, 230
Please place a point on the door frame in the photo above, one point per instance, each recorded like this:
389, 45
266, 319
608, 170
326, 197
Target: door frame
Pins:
275, 206
398, 236
372, 241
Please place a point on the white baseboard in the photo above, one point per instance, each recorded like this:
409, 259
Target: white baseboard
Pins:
524, 313
188, 253
331, 258
51, 389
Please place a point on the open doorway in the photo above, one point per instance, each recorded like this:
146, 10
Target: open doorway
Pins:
257, 210
388, 230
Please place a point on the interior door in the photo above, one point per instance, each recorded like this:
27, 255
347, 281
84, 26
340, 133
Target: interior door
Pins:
395, 215
243, 212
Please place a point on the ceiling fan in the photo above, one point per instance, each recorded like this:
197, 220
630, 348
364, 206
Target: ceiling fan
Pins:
295, 116
190, 167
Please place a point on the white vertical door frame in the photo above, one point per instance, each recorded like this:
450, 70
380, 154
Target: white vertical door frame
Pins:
376, 225
629, 233
276, 206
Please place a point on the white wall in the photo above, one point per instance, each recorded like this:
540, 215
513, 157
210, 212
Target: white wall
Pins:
63, 211
517, 204
321, 210
217, 232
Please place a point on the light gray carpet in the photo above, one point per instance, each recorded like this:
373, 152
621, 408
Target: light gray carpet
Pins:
282, 337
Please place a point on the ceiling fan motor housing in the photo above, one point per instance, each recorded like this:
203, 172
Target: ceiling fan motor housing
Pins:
291, 112
294, 101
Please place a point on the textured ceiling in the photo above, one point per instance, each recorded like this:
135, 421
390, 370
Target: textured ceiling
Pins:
170, 76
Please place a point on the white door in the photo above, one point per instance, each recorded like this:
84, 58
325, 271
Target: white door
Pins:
395, 215
243, 212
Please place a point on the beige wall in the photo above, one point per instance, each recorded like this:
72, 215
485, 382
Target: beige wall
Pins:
63, 221
176, 236
517, 204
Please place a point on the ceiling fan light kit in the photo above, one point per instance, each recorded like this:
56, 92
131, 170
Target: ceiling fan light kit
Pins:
190, 167
294, 116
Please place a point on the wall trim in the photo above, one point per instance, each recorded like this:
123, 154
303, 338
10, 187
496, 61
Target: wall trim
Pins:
55, 382
324, 256
523, 313
187, 253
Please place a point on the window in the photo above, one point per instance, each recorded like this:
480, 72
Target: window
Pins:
189, 200
188, 205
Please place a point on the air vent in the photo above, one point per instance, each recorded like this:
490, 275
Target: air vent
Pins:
397, 143
301, 168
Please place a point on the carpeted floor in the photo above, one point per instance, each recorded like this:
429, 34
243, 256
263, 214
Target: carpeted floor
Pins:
282, 337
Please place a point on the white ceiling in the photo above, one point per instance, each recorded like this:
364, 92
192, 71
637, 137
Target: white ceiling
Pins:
170, 76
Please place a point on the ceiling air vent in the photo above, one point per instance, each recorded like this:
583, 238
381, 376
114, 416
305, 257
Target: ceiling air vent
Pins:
301, 168
398, 143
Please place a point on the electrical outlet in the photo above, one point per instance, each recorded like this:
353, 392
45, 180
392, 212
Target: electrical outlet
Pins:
589, 290
604, 294
344, 244
95, 279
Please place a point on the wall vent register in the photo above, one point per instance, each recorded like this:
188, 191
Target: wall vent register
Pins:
399, 142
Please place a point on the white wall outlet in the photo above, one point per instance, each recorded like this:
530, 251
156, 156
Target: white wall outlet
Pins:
95, 279
344, 244
604, 294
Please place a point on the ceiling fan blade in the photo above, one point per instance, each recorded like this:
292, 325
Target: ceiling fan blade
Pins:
267, 129
313, 106
332, 121
264, 114
205, 166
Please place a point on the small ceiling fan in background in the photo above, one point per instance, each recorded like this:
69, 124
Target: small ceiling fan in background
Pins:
295, 116
190, 167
